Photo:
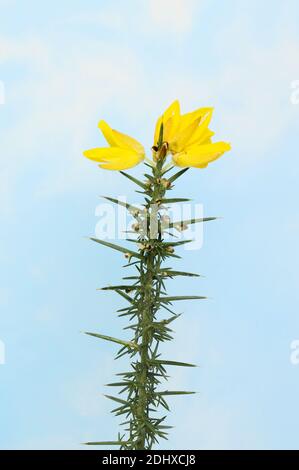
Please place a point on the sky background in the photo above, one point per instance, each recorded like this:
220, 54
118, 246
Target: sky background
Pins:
65, 65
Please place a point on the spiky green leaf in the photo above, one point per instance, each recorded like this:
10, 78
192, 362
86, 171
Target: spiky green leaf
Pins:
120, 287
160, 139
128, 344
118, 400
184, 223
173, 200
177, 175
173, 298
107, 443
118, 384
171, 363
178, 243
128, 206
135, 180
117, 247
173, 392
171, 273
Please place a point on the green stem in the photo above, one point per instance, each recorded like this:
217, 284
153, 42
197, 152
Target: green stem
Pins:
146, 296
148, 268
145, 323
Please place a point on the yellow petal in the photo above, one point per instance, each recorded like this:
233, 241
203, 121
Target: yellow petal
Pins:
118, 139
200, 113
114, 158
199, 156
126, 141
180, 142
171, 112
120, 164
107, 133
171, 128
199, 137
202, 132
206, 139
192, 129
104, 154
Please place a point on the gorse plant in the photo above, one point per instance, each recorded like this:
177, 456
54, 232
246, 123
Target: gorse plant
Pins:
187, 138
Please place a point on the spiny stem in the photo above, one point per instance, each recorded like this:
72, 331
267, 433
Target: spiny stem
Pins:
142, 379
146, 318
146, 296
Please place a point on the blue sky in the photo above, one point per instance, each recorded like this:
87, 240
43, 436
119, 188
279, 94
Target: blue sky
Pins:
66, 65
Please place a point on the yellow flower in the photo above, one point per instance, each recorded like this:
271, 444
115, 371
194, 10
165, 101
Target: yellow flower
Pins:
124, 151
188, 137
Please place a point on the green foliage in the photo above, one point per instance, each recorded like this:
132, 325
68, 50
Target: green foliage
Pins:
184, 223
135, 180
128, 344
130, 208
178, 175
117, 247
181, 297
146, 295
174, 200
107, 443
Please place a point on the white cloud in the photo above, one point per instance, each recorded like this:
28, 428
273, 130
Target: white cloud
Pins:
150, 17
108, 18
175, 16
32, 49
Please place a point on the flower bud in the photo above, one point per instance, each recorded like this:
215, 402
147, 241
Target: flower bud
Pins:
160, 153
136, 227
148, 184
183, 227
128, 256
165, 183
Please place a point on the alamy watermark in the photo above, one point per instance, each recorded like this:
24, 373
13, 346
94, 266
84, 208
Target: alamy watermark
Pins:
294, 97
177, 222
2, 352
294, 355
2, 92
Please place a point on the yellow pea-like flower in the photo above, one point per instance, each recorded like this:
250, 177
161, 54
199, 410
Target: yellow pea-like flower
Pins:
188, 137
170, 120
199, 156
124, 151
